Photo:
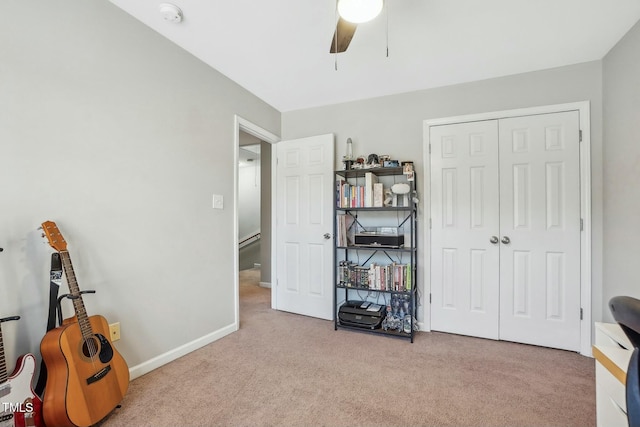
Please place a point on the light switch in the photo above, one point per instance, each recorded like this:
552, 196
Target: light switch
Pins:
218, 201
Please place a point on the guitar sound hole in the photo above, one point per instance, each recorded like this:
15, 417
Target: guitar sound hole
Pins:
90, 348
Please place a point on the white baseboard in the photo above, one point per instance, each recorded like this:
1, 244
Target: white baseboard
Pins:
176, 353
422, 327
265, 285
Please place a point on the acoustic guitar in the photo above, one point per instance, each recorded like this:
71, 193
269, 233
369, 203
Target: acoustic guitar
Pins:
20, 406
86, 377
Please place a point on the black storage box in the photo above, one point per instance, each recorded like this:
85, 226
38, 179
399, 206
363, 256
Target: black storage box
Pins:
361, 314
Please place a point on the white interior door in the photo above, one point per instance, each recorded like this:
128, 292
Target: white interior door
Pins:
304, 224
465, 217
540, 217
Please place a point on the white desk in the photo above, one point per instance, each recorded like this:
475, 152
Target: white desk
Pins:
612, 351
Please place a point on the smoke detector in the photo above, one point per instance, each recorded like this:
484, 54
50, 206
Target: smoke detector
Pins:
171, 12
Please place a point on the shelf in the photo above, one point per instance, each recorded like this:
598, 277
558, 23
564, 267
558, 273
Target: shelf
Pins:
383, 209
359, 173
357, 288
353, 274
379, 331
377, 248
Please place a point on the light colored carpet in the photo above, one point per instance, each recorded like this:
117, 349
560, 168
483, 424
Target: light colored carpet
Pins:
290, 370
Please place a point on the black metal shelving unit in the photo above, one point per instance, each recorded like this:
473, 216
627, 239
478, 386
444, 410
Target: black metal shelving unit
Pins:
363, 255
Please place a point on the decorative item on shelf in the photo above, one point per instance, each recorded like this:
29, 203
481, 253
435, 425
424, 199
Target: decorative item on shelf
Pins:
398, 314
373, 161
415, 197
388, 197
390, 164
401, 189
348, 157
407, 169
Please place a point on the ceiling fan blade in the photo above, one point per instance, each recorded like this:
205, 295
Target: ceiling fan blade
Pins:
342, 36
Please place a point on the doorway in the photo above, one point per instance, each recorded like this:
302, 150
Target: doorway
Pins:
253, 213
252, 295
249, 203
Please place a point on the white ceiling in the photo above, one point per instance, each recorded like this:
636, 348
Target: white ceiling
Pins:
279, 49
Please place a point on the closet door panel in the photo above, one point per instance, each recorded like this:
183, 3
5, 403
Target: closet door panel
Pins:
540, 217
464, 217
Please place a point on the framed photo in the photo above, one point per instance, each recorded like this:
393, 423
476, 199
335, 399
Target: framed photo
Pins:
407, 168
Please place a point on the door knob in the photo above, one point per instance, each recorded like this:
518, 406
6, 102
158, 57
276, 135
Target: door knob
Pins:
494, 240
506, 240
327, 236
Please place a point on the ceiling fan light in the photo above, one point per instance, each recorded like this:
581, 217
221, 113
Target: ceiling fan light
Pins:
359, 11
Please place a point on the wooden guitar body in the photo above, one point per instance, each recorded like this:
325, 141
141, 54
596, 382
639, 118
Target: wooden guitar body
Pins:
81, 389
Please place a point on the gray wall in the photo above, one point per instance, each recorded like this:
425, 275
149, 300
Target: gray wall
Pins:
394, 125
249, 190
621, 88
249, 255
121, 138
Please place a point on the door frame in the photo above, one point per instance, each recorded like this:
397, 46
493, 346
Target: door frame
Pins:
585, 203
241, 124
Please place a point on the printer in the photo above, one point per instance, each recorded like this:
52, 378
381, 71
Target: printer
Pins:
361, 314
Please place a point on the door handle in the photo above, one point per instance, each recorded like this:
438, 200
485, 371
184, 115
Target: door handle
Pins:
327, 236
506, 240
494, 240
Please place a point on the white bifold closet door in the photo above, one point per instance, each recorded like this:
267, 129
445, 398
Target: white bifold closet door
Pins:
465, 214
505, 245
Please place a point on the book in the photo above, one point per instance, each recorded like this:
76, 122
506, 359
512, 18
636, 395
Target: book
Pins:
370, 179
345, 230
378, 195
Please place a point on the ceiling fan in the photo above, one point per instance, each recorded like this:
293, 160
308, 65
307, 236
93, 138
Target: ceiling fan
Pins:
350, 14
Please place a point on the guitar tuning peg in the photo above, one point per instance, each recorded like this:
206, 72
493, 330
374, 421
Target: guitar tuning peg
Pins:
40, 228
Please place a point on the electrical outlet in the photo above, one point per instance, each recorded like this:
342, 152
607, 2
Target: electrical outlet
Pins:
114, 331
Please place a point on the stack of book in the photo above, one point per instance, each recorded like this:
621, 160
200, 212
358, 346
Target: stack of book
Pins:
350, 196
369, 195
345, 230
392, 277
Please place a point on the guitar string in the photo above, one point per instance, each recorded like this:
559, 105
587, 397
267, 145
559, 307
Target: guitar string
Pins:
78, 304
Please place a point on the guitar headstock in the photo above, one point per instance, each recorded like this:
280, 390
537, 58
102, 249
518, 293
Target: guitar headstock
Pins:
54, 236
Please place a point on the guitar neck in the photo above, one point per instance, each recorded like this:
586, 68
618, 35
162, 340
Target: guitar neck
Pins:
3, 365
78, 304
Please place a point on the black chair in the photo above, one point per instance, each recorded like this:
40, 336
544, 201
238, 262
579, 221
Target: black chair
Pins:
626, 311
